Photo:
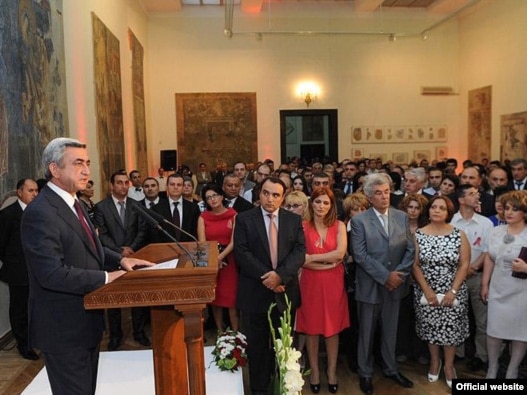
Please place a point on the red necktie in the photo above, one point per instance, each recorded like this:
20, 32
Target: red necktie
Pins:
84, 224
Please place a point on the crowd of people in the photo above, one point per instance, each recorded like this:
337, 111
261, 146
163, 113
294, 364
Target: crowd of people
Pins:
430, 252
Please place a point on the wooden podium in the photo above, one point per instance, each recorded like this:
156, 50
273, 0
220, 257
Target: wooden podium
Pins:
177, 298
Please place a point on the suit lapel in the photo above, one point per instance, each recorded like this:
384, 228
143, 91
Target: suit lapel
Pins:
376, 223
67, 215
262, 231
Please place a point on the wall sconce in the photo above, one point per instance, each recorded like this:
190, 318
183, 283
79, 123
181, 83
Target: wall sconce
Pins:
309, 92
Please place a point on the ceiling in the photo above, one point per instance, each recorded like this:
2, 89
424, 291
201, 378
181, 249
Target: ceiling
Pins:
254, 6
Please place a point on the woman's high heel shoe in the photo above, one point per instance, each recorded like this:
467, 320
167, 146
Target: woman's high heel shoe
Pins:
432, 378
315, 388
449, 382
333, 388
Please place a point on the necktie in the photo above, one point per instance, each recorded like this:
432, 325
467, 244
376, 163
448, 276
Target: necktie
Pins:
176, 220
122, 211
384, 218
519, 185
152, 204
348, 188
273, 241
84, 224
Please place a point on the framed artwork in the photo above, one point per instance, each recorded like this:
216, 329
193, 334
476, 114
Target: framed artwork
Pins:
398, 134
441, 153
514, 136
400, 158
208, 124
479, 123
419, 155
357, 153
376, 156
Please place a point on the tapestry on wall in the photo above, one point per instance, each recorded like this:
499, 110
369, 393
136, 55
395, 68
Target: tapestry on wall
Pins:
212, 127
479, 123
33, 103
108, 101
514, 136
138, 93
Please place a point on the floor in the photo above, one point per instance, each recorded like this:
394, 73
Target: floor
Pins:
16, 373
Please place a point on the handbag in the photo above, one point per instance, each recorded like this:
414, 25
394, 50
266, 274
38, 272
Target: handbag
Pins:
440, 297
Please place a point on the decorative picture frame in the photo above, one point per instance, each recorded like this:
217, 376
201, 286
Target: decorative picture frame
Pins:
400, 158
441, 152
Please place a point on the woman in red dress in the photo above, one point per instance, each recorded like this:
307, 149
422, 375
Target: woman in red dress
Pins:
324, 309
216, 223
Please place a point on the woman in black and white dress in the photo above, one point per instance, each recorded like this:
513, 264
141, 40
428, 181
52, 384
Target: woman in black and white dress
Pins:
441, 297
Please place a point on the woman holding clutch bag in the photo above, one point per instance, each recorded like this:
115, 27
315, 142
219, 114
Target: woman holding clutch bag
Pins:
441, 298
503, 287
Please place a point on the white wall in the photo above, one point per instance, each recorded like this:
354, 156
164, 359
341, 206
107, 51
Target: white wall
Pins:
492, 52
370, 80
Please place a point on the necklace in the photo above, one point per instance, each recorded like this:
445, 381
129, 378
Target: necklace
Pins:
508, 238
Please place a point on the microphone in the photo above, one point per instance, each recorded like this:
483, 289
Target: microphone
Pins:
154, 219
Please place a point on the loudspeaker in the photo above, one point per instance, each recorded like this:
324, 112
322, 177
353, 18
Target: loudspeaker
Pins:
169, 159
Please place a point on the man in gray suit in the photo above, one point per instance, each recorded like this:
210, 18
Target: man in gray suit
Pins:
383, 249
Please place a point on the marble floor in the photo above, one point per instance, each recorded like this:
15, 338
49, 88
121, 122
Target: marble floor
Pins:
16, 373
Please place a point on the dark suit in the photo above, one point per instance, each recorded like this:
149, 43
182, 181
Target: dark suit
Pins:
63, 266
251, 251
189, 222
241, 205
377, 254
14, 272
512, 185
114, 235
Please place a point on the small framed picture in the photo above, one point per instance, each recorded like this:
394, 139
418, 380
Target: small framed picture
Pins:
400, 158
441, 153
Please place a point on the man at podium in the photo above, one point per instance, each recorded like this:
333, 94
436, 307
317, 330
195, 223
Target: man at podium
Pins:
66, 261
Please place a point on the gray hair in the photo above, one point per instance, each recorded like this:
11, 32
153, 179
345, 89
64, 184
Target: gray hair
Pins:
374, 179
418, 172
519, 161
54, 152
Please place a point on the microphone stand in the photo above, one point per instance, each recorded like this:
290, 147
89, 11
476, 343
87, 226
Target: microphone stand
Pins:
147, 215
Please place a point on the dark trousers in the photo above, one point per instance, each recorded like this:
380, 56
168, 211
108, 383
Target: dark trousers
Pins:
74, 372
139, 318
18, 296
260, 354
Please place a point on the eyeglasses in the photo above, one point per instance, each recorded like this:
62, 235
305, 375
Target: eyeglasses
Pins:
210, 197
292, 206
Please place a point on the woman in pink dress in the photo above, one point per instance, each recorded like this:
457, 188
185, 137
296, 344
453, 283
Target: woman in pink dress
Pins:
216, 223
324, 309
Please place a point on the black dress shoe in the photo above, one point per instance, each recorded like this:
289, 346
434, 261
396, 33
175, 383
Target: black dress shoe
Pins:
366, 385
114, 344
333, 388
401, 380
28, 353
142, 340
315, 388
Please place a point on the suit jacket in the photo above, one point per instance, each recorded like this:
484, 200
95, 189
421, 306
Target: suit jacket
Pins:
112, 233
512, 186
252, 255
63, 266
189, 223
14, 269
377, 254
241, 205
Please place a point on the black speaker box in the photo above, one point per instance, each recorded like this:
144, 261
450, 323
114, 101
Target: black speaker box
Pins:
169, 159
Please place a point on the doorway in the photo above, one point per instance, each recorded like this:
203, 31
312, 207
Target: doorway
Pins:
311, 135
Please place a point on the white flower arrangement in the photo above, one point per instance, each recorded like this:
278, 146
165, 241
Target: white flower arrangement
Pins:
289, 379
230, 350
